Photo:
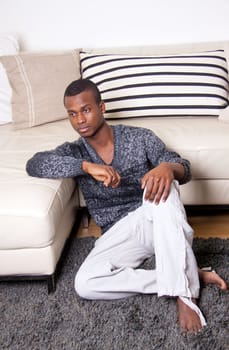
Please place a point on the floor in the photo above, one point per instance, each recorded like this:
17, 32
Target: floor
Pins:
204, 226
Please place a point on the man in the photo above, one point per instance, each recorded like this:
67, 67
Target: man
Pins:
130, 183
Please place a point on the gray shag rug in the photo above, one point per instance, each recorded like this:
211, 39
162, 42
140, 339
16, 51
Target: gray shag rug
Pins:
31, 319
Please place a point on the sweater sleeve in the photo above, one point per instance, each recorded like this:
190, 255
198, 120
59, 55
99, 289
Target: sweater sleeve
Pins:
157, 152
63, 162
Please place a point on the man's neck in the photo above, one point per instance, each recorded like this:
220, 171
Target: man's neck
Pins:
102, 138
103, 143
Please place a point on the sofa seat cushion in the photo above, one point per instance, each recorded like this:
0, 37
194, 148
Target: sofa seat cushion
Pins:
203, 141
31, 208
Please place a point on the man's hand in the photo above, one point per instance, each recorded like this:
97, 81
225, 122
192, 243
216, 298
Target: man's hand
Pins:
104, 173
158, 181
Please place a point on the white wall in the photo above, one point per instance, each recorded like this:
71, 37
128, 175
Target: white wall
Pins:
57, 24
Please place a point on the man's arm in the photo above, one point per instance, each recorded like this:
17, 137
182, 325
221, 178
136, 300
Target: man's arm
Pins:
58, 163
104, 173
167, 166
158, 180
63, 162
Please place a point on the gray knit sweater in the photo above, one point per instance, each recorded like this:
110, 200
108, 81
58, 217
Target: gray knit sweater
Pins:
136, 150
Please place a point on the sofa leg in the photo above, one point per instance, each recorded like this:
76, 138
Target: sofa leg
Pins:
51, 280
85, 218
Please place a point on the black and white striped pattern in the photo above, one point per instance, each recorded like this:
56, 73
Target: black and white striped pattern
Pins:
134, 86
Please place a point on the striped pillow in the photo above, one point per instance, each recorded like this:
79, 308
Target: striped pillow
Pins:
181, 85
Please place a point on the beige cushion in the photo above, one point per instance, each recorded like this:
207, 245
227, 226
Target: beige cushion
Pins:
38, 81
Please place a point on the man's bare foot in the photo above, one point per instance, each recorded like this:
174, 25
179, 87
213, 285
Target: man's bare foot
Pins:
211, 277
188, 319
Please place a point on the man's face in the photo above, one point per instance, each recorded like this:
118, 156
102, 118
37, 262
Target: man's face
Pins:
86, 116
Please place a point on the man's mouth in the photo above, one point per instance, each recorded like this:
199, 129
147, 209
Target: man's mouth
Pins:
83, 129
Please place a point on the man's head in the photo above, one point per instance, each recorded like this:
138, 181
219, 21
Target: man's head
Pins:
85, 108
81, 85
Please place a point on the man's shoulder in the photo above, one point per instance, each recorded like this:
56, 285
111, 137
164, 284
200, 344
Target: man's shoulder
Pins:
71, 145
77, 142
132, 130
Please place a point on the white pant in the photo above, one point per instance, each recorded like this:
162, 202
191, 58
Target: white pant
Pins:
111, 269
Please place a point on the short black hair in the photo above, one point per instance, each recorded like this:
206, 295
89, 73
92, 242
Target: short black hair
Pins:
81, 85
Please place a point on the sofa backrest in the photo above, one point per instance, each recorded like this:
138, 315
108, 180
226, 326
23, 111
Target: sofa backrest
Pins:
163, 49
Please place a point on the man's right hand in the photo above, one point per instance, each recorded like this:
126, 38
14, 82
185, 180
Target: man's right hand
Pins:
104, 173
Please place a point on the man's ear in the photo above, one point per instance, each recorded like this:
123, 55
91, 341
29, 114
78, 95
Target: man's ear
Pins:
102, 107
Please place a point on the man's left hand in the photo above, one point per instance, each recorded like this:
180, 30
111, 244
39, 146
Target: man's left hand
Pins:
158, 182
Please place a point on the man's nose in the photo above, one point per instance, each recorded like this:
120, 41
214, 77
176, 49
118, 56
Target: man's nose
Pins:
81, 118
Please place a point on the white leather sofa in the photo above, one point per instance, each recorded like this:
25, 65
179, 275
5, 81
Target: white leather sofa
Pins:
37, 215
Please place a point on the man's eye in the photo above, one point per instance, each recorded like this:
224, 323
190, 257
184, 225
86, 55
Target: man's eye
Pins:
87, 110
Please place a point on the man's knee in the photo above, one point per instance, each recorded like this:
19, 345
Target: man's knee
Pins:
173, 202
82, 286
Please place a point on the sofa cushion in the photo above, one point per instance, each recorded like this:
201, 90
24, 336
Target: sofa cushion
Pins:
38, 81
5, 97
203, 141
170, 85
224, 115
8, 46
31, 209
